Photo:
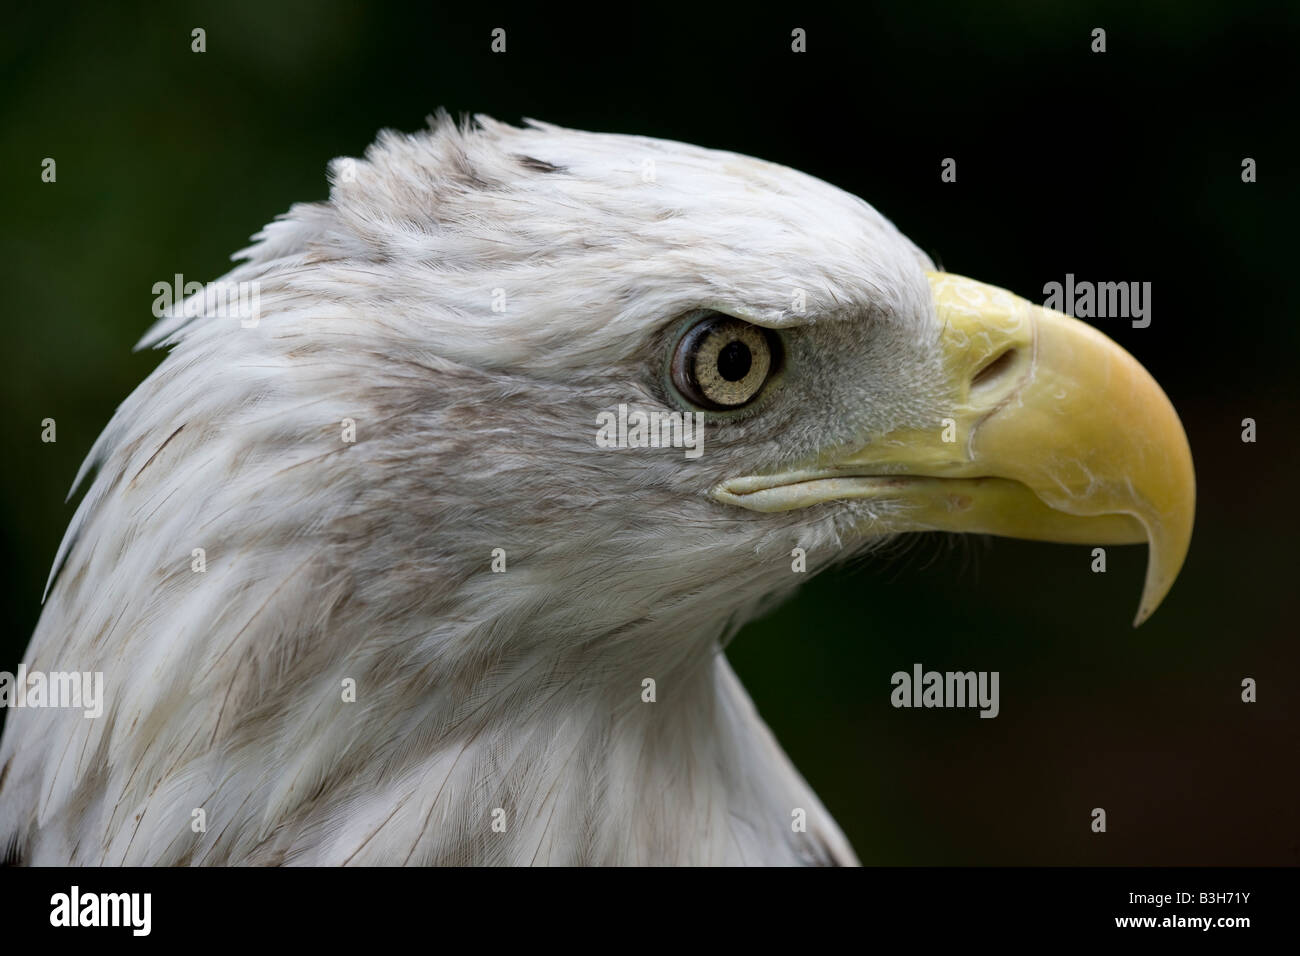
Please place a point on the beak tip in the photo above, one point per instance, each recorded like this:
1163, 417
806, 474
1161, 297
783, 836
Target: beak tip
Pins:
1163, 566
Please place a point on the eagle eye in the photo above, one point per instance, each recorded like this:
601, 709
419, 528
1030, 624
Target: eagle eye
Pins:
722, 362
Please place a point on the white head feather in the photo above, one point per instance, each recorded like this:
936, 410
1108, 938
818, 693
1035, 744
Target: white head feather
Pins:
328, 560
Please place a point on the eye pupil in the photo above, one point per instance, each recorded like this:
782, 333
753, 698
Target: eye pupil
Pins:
734, 361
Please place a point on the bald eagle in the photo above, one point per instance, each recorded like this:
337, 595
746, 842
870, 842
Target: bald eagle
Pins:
364, 588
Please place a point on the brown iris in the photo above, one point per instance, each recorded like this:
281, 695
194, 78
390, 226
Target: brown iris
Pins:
722, 362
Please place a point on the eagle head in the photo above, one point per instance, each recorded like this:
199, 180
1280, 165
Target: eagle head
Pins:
431, 555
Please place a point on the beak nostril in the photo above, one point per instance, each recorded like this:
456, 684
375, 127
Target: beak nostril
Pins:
990, 372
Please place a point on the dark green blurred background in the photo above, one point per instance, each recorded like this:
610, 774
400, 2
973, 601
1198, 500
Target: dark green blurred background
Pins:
1122, 166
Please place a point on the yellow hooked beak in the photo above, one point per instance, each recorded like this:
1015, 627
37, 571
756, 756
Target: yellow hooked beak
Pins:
1050, 431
